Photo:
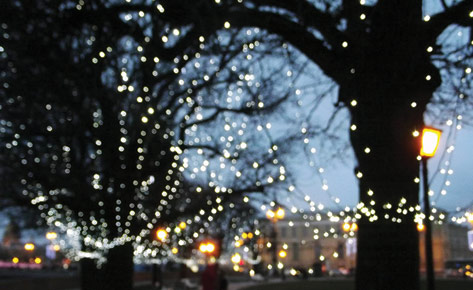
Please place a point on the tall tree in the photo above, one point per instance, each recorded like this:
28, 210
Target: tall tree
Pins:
388, 59
114, 124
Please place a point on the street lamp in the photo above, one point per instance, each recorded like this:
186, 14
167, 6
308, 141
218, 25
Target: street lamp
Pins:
430, 142
161, 234
29, 247
51, 235
207, 248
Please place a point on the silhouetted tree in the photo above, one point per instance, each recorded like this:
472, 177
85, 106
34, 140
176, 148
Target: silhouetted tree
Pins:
105, 128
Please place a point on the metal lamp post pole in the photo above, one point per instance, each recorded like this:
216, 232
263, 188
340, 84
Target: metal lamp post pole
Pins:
429, 261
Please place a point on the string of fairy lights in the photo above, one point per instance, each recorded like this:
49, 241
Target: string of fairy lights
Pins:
191, 144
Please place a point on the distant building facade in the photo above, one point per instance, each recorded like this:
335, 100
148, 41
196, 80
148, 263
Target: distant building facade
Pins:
322, 241
307, 242
449, 242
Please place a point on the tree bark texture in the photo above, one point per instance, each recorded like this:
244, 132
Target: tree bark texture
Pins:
386, 151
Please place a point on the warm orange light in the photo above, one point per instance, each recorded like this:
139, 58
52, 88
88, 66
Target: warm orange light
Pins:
161, 234
210, 247
469, 217
354, 227
282, 254
280, 213
236, 258
203, 248
51, 235
346, 227
29, 246
420, 227
430, 141
250, 235
56, 248
207, 248
15, 260
270, 214
182, 225
275, 215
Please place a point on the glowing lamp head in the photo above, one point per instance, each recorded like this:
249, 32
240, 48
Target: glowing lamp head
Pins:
346, 227
210, 248
282, 254
29, 246
203, 248
270, 214
430, 141
51, 235
236, 258
207, 248
161, 234
280, 213
354, 227
420, 227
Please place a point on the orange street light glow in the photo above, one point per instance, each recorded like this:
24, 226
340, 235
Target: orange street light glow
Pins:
430, 141
207, 248
270, 214
161, 235
282, 254
420, 227
280, 213
236, 258
346, 227
354, 227
51, 235
29, 246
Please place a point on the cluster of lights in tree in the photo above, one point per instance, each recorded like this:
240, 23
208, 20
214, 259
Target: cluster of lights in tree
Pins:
95, 227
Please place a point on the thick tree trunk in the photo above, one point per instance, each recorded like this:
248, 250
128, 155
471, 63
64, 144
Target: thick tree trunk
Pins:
118, 270
115, 274
89, 275
386, 150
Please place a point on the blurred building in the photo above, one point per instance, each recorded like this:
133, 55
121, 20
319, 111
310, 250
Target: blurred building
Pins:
333, 244
449, 243
310, 242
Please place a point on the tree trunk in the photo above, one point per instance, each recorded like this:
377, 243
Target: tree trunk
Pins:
118, 270
386, 150
89, 275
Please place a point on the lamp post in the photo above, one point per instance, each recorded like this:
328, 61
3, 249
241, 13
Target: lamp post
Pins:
430, 141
